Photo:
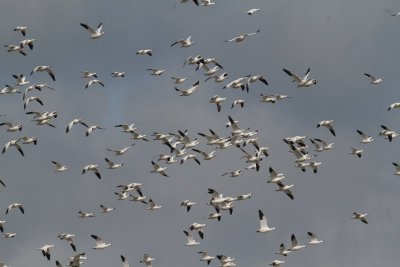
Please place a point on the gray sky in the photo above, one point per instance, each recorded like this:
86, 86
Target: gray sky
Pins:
338, 40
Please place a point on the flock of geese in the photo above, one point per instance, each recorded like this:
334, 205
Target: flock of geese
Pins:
179, 148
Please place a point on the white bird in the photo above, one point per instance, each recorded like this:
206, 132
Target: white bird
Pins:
94, 33
153, 205
360, 216
28, 42
122, 195
73, 122
83, 214
147, 260
2, 222
214, 215
327, 124
356, 151
16, 48
206, 156
264, 228
397, 166
238, 102
295, 245
285, 188
274, 176
127, 128
276, 263
218, 78
241, 37
188, 204
365, 138
119, 152
388, 133
198, 227
234, 173
9, 235
156, 72
20, 80
282, 251
189, 91
46, 250
59, 167
394, 105
112, 165
13, 143
144, 52
93, 168
100, 244
324, 144
190, 239
92, 128
395, 14
9, 90
313, 239
255, 78
15, 205
217, 100
118, 74
374, 80
88, 74
94, 81
184, 42
178, 80
125, 263
205, 257
12, 127
207, 3
190, 156
21, 29
68, 238
44, 69
314, 165
158, 169
301, 82
32, 98
252, 11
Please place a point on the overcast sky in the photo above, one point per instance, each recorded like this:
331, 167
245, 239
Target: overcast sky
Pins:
338, 40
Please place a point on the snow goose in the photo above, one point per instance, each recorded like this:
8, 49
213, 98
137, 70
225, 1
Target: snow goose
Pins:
148, 52
264, 228
218, 78
44, 69
12, 127
75, 121
234, 173
205, 257
206, 156
397, 166
119, 152
365, 138
374, 80
188, 204
238, 83
388, 133
15, 205
313, 239
360, 216
127, 128
20, 80
147, 260
275, 177
94, 33
118, 74
285, 188
104, 209
68, 238
158, 169
327, 124
189, 91
83, 214
21, 29
241, 37
92, 128
122, 195
295, 245
100, 244
153, 205
125, 263
190, 239
92, 168
356, 151
184, 42
13, 143
217, 100
88, 74
9, 90
301, 82
15, 48
28, 42
32, 98
94, 81
238, 102
112, 165
9, 235
394, 105
255, 78
137, 136
325, 145
214, 215
190, 156
252, 11
276, 263
314, 165
178, 80
198, 227
156, 72
207, 3
282, 251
